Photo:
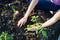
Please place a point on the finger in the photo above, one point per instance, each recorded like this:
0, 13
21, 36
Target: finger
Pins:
19, 23
30, 29
24, 23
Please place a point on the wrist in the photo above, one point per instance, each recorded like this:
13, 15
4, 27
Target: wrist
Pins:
25, 17
40, 27
27, 14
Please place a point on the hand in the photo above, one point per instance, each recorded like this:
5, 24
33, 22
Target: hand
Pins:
22, 21
34, 28
31, 29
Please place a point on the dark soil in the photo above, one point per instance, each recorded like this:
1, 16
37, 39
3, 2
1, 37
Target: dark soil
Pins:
8, 24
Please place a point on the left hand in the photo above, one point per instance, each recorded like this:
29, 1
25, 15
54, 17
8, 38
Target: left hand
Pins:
32, 29
35, 28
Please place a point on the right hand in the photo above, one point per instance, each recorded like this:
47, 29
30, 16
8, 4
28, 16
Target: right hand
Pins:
22, 21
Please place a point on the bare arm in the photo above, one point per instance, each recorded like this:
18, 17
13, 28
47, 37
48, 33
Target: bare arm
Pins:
23, 20
30, 8
53, 20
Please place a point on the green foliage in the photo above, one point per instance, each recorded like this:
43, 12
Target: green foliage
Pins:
37, 25
34, 18
44, 34
28, 26
6, 36
13, 9
42, 31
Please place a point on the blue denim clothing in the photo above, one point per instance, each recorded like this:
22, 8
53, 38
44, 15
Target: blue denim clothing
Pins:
46, 5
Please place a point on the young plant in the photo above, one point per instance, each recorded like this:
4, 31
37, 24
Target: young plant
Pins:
42, 31
6, 36
12, 7
34, 18
36, 25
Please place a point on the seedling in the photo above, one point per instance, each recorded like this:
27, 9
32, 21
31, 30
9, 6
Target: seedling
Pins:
6, 36
12, 7
36, 25
34, 18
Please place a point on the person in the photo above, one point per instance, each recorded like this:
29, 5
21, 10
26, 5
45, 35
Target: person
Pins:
47, 5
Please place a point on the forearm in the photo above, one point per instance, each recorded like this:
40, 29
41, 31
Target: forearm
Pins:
31, 7
53, 20
49, 22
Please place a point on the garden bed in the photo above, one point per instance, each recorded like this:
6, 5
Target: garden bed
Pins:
9, 25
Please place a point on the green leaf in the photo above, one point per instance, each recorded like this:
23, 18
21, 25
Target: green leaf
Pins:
40, 23
0, 38
44, 34
28, 26
36, 31
37, 16
37, 24
45, 28
34, 18
13, 9
6, 36
40, 31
